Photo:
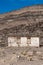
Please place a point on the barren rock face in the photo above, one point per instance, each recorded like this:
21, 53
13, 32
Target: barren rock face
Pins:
28, 16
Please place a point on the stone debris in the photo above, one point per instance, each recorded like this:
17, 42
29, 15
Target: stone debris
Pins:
10, 57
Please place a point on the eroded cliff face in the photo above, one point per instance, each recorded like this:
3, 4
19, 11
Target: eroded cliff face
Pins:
25, 22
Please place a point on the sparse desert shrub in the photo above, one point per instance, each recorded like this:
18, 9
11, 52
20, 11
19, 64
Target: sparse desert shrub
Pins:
29, 58
23, 53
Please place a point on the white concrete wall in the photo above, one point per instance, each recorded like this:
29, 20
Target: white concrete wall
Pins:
29, 41
34, 41
23, 41
12, 41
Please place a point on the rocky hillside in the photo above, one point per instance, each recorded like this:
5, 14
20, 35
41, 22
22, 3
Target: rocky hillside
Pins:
28, 20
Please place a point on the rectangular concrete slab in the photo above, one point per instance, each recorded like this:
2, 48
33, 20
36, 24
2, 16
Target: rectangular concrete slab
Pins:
23, 41
34, 41
12, 41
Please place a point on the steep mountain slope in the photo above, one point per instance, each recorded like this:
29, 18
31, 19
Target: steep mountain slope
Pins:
29, 19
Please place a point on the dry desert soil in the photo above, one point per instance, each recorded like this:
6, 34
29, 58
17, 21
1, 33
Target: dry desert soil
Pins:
21, 56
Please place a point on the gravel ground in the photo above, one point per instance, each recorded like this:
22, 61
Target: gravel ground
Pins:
21, 56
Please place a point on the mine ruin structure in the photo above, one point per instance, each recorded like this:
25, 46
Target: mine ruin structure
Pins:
22, 27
